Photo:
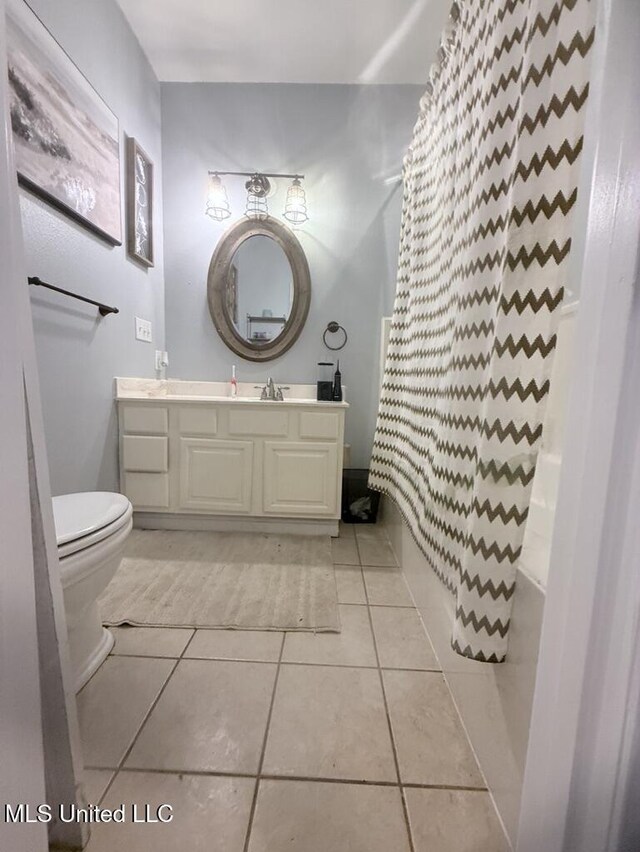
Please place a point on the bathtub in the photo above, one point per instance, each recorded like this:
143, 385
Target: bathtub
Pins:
536, 546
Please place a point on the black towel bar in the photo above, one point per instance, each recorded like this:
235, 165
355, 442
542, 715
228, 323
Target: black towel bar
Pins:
103, 309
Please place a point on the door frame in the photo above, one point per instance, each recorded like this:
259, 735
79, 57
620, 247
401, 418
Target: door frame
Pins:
22, 772
584, 744
41, 759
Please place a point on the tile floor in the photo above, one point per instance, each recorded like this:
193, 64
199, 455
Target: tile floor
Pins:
266, 742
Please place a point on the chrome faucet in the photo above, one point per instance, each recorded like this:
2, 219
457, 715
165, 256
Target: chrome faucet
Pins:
271, 392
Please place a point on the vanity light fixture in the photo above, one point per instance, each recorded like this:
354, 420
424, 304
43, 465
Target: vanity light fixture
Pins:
295, 208
217, 199
258, 187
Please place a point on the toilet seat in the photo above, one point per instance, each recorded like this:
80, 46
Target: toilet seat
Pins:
84, 519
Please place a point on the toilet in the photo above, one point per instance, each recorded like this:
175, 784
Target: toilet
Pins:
91, 531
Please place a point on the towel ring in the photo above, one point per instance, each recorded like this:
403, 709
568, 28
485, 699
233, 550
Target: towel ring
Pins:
334, 327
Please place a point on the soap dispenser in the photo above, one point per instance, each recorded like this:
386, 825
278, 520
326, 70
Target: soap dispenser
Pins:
337, 385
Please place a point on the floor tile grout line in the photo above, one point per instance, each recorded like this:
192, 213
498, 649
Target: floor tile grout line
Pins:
186, 647
414, 785
405, 806
113, 772
117, 769
355, 537
394, 564
398, 570
283, 662
375, 606
378, 606
205, 659
356, 666
151, 709
263, 750
201, 659
441, 672
148, 713
394, 750
269, 776
148, 656
389, 725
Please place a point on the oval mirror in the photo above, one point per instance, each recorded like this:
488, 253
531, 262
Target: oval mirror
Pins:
259, 289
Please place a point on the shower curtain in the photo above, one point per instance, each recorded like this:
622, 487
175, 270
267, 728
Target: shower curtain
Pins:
490, 184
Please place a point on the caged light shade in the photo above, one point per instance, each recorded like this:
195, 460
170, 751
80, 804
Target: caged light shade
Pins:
295, 208
217, 199
257, 187
257, 208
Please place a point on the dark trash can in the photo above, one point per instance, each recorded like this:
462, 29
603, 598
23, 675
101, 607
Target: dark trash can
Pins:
359, 503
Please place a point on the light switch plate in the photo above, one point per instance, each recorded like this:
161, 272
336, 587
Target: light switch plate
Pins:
143, 330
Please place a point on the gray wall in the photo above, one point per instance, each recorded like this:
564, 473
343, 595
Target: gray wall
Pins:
78, 352
347, 140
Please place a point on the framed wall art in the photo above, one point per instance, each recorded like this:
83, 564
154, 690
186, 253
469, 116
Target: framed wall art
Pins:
139, 204
66, 139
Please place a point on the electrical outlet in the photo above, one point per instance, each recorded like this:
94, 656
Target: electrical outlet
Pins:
143, 330
162, 359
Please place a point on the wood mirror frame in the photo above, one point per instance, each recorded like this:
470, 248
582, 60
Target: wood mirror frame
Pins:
217, 281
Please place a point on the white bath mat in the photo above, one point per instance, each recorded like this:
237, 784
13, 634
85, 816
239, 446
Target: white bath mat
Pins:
216, 580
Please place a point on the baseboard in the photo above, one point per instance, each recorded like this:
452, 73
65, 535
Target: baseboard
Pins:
232, 523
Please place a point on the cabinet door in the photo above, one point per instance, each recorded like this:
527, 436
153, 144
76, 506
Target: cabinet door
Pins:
301, 479
216, 475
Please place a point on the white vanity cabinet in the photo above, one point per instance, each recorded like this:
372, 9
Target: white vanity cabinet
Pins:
197, 458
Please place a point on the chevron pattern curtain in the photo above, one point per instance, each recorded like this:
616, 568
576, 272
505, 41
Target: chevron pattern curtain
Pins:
490, 186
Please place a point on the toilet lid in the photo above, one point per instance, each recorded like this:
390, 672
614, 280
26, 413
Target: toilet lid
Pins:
79, 515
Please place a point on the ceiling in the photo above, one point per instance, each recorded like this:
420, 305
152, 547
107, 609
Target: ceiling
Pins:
289, 41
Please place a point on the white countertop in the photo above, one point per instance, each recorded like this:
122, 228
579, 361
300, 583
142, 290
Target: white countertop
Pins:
176, 390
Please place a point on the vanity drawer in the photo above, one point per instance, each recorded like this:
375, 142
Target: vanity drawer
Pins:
198, 421
265, 422
146, 419
147, 490
319, 424
145, 453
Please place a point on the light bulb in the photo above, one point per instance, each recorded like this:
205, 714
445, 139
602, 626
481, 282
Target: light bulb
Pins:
295, 208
